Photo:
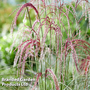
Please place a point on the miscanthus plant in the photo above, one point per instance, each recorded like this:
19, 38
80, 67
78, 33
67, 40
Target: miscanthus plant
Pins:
54, 44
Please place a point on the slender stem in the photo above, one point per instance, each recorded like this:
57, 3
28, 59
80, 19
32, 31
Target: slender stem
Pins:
41, 26
30, 22
29, 17
45, 82
50, 45
45, 23
45, 76
56, 54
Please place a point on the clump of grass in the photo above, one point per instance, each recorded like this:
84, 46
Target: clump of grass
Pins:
52, 29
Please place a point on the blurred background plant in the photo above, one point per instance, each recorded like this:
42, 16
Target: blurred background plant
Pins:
74, 23
6, 18
6, 40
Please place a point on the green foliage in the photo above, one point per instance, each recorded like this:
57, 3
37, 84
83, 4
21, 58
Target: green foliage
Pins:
21, 1
11, 73
5, 19
6, 56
